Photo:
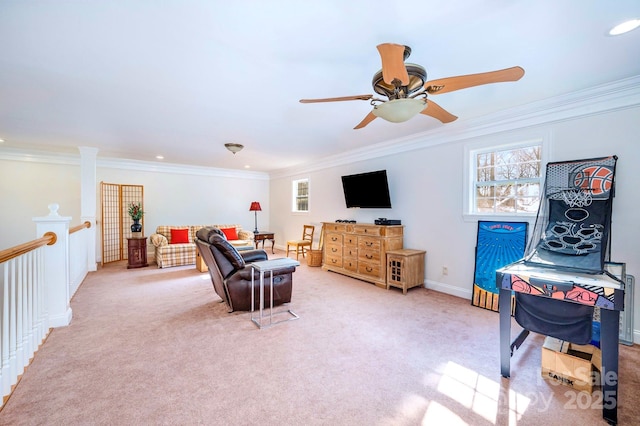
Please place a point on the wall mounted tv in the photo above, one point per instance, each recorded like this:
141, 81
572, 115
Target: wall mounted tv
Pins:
367, 190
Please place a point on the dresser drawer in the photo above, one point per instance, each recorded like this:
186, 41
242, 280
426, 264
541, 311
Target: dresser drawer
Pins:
367, 230
350, 250
369, 268
370, 255
350, 264
368, 243
332, 260
333, 238
333, 249
350, 239
337, 227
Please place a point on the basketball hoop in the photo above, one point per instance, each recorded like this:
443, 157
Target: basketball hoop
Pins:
576, 197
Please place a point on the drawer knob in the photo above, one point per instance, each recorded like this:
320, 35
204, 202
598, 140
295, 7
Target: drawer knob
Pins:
368, 256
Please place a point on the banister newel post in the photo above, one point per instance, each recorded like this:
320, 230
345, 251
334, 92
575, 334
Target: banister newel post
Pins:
56, 266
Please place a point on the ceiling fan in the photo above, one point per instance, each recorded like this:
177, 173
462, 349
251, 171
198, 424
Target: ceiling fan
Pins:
406, 90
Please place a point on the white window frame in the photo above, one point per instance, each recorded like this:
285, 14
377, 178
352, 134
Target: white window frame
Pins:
294, 195
499, 144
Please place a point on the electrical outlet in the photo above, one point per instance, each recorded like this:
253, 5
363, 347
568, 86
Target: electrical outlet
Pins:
445, 270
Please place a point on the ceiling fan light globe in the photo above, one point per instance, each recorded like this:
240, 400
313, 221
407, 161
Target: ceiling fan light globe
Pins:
234, 147
399, 110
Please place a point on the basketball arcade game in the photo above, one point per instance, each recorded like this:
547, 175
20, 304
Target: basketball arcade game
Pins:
566, 271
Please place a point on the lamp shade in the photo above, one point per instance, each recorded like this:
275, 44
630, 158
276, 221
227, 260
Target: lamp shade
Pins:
399, 110
255, 207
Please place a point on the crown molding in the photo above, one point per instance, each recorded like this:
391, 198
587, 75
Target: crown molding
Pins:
149, 166
601, 99
39, 156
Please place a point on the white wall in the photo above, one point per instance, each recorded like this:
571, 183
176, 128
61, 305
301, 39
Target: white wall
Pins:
182, 199
426, 192
172, 195
26, 188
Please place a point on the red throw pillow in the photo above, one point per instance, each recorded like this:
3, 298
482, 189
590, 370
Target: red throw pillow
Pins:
179, 236
230, 233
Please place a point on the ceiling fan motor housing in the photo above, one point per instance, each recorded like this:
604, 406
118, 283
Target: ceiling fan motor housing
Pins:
417, 78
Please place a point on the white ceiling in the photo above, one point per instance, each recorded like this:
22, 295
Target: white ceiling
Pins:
137, 79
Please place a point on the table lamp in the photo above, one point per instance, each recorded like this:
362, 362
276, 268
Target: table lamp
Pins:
255, 207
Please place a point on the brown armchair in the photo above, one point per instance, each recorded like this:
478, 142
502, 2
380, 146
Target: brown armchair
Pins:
231, 272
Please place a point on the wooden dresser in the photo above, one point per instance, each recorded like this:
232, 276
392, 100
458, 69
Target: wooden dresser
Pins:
359, 250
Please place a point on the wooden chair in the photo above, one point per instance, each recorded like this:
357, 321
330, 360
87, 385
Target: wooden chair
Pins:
303, 244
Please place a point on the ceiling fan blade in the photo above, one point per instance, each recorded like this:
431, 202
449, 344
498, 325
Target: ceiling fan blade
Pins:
368, 119
449, 84
342, 98
393, 67
436, 111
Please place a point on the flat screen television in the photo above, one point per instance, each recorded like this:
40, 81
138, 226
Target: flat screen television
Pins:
367, 190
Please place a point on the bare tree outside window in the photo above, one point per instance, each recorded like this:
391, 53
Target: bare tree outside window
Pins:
508, 181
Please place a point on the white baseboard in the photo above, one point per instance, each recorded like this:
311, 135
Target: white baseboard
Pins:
449, 289
61, 320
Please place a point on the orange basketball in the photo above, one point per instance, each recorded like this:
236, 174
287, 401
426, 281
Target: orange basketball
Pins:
596, 179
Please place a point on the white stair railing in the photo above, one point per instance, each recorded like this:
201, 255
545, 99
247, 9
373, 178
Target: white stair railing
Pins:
37, 281
24, 319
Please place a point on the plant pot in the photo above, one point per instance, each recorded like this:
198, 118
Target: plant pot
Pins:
136, 227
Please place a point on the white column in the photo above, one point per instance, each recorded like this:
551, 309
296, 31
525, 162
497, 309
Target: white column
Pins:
88, 204
56, 266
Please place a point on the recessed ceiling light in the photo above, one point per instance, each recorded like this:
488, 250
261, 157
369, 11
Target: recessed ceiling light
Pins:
625, 27
160, 157
1, 140
247, 166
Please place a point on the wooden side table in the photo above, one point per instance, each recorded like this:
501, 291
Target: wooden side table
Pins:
201, 266
137, 252
262, 236
405, 268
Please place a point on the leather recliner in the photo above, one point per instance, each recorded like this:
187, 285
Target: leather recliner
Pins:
231, 272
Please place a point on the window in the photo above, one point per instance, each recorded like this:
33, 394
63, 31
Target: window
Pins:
505, 179
300, 199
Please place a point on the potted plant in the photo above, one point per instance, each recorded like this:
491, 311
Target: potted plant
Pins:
135, 211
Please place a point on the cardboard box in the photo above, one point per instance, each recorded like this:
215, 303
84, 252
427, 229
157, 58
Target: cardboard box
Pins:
576, 366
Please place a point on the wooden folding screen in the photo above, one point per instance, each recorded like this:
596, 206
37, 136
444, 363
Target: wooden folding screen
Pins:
116, 222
